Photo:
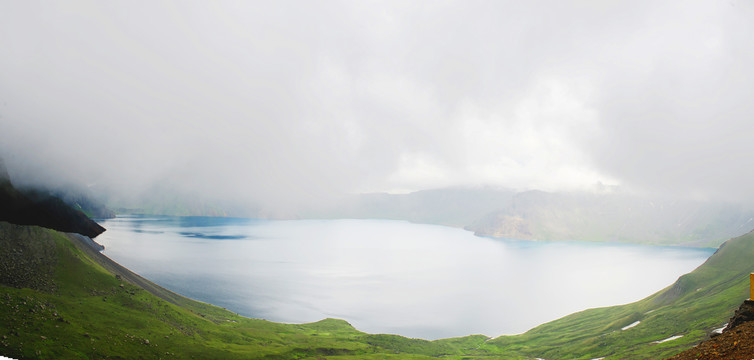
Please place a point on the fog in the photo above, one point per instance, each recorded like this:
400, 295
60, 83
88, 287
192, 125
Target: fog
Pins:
292, 102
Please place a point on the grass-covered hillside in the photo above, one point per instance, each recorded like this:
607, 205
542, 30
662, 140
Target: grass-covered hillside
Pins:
61, 299
692, 307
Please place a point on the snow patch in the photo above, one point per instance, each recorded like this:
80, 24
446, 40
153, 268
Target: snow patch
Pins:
668, 339
630, 325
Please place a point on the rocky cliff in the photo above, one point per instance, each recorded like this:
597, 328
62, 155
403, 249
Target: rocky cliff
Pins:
42, 209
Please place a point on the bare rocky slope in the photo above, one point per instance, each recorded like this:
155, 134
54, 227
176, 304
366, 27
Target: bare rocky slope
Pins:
735, 343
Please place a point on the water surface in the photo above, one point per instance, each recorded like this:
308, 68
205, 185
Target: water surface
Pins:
387, 276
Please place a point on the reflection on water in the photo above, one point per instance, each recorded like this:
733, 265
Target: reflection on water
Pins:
388, 276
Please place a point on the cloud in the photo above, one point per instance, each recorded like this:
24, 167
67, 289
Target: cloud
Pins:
676, 119
289, 101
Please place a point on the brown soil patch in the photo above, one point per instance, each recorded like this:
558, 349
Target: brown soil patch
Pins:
736, 342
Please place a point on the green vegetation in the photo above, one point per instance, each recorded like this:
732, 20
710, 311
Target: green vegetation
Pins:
81, 310
60, 298
696, 304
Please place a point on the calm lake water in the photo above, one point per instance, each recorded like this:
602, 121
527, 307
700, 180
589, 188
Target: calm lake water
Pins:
387, 276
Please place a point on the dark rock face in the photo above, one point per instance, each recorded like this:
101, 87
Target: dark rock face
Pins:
42, 209
3, 172
744, 314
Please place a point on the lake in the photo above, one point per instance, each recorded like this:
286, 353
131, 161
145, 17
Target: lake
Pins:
386, 276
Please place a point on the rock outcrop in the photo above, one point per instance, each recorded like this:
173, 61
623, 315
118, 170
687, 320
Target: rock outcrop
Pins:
735, 343
745, 313
42, 209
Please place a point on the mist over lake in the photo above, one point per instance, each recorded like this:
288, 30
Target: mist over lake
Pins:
387, 276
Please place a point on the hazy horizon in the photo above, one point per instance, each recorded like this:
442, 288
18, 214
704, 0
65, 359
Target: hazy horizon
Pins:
294, 102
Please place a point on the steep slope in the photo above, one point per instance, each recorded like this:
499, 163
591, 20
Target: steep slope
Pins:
736, 341
40, 208
682, 314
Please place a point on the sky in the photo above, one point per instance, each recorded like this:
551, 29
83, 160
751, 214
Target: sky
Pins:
299, 101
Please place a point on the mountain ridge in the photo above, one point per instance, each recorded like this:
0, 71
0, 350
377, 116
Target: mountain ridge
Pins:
556, 216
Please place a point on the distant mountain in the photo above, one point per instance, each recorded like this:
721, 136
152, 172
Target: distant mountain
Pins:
537, 215
609, 216
161, 199
82, 199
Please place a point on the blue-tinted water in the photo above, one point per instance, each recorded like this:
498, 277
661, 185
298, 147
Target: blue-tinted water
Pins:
388, 276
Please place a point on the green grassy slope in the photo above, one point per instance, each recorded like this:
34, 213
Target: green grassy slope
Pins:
59, 298
692, 307
57, 301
